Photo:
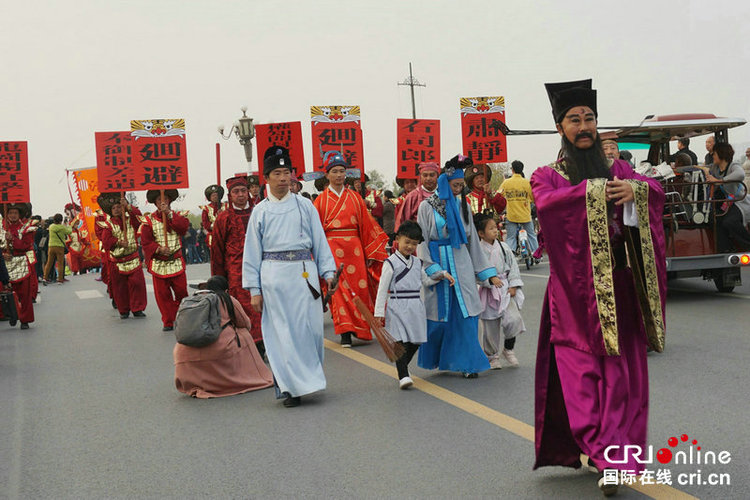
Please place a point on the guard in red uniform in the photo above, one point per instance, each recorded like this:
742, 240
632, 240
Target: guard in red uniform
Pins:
163, 251
214, 193
75, 241
228, 247
100, 220
17, 241
482, 199
119, 237
255, 189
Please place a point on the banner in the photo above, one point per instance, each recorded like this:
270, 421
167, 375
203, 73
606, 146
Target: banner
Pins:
481, 142
87, 189
337, 128
286, 134
14, 172
159, 154
418, 141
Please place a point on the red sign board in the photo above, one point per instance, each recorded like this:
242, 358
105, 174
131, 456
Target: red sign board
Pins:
337, 128
161, 162
127, 163
418, 142
482, 142
288, 135
14, 172
114, 161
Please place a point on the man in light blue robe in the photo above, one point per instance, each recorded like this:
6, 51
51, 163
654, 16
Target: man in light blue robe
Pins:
285, 252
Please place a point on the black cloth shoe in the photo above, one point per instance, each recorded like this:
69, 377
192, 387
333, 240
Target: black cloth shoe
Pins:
139, 314
124, 315
471, 375
167, 329
24, 326
346, 339
291, 401
114, 306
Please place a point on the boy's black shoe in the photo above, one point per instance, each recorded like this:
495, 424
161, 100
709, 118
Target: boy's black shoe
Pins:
124, 315
139, 314
167, 329
24, 326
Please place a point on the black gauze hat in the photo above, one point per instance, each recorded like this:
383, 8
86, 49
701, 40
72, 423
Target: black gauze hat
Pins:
565, 95
276, 157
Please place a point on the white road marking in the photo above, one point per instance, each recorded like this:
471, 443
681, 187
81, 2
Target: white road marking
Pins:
89, 294
535, 275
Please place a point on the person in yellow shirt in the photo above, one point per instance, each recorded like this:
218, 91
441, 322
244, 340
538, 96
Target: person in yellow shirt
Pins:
517, 192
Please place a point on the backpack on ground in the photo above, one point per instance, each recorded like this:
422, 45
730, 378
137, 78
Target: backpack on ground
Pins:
198, 321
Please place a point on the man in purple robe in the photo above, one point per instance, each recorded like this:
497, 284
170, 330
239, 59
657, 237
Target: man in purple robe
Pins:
604, 303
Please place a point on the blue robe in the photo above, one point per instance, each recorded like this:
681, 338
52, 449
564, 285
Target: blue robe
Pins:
292, 319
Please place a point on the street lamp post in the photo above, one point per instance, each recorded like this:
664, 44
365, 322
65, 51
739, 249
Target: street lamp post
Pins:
244, 130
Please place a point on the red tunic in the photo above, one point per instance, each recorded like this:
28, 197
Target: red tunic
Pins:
168, 272
159, 266
371, 196
410, 205
358, 242
480, 202
227, 249
127, 283
100, 219
208, 217
20, 240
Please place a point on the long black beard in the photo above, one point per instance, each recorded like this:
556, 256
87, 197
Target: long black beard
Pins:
583, 164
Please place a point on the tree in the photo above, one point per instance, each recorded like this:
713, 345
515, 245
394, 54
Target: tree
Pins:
132, 199
376, 179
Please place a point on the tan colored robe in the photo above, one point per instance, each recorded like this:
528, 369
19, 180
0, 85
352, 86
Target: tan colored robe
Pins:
222, 368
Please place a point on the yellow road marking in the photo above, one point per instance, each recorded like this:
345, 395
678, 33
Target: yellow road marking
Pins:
515, 426
709, 293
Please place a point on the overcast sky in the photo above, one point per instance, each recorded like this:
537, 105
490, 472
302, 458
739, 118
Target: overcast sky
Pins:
73, 68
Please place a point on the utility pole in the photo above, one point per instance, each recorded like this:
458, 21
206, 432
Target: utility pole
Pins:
412, 82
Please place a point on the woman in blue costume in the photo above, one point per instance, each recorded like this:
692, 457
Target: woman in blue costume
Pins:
452, 244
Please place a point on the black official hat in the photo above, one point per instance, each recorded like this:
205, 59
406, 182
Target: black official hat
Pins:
276, 157
213, 188
565, 95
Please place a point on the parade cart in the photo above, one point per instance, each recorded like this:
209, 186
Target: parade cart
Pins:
693, 206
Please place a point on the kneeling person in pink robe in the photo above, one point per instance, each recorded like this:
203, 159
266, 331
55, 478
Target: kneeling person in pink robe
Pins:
605, 296
229, 366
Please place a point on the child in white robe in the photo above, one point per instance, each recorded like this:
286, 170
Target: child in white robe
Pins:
401, 281
501, 316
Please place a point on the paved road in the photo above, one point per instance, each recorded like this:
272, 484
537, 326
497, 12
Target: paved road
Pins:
88, 409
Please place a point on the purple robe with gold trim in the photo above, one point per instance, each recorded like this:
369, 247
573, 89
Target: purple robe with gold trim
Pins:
604, 304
